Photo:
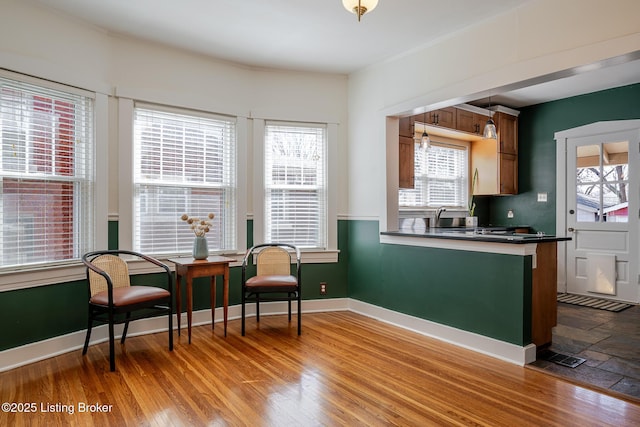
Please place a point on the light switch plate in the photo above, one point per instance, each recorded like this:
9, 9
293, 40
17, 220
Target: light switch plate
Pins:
542, 197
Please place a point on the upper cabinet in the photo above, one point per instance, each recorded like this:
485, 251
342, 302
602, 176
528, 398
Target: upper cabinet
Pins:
469, 121
507, 127
406, 176
445, 117
406, 126
495, 159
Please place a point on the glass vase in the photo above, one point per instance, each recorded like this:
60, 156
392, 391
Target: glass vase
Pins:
200, 248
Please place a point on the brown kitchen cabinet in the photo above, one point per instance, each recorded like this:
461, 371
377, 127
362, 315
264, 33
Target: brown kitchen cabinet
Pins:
468, 121
465, 121
407, 158
444, 117
481, 120
507, 127
406, 126
508, 173
544, 305
421, 119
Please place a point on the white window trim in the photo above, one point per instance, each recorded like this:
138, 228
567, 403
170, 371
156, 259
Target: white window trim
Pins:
330, 254
72, 270
126, 170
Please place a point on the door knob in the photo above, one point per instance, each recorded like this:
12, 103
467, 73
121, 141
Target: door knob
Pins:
571, 229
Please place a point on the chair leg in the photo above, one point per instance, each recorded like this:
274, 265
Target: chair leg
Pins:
243, 310
170, 326
257, 308
126, 328
86, 340
112, 352
299, 313
290, 296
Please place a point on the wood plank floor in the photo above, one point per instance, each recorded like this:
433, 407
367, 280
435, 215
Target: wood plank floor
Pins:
345, 370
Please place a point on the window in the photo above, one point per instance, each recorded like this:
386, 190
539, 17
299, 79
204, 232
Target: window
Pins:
184, 162
441, 177
295, 183
602, 182
46, 174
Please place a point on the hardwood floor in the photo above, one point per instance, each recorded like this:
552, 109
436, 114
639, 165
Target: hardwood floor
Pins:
345, 369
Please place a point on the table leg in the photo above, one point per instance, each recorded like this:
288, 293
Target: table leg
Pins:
225, 296
189, 305
178, 300
213, 301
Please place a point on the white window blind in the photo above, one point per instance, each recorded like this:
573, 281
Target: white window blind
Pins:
46, 175
184, 162
441, 178
295, 184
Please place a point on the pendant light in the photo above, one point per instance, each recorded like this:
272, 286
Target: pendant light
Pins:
359, 7
424, 140
490, 131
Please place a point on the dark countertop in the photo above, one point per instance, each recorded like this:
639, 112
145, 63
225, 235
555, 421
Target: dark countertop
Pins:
480, 234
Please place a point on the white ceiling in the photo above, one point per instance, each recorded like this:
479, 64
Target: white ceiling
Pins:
608, 74
315, 35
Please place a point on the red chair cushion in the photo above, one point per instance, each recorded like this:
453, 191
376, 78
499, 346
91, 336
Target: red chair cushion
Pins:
130, 295
272, 283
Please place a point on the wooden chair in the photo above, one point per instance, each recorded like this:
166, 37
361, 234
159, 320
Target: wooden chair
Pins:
113, 300
273, 278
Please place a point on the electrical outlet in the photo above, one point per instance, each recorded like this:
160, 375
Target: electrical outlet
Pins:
323, 288
510, 213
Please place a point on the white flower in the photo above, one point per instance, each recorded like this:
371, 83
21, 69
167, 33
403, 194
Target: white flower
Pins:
200, 227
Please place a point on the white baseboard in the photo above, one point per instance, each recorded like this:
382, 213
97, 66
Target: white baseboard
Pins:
34, 352
479, 343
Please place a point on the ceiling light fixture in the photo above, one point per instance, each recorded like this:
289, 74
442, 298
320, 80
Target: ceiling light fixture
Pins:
359, 7
490, 131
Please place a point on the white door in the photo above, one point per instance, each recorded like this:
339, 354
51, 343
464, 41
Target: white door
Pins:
602, 192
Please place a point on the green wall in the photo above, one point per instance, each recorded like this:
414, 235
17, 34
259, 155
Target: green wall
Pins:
537, 151
473, 291
35, 314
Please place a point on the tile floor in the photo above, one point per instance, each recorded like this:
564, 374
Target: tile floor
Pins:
610, 343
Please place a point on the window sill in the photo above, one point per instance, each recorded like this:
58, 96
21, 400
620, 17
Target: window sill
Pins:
43, 276
319, 256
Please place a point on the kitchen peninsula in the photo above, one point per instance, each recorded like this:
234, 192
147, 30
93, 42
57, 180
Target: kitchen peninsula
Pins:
495, 283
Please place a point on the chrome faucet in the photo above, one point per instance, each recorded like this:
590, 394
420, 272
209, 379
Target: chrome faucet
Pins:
438, 213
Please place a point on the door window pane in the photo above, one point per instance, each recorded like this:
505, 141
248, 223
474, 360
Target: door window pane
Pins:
602, 182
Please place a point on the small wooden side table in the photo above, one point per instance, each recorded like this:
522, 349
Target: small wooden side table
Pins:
191, 268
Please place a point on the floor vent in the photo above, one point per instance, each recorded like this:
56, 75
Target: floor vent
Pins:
562, 359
